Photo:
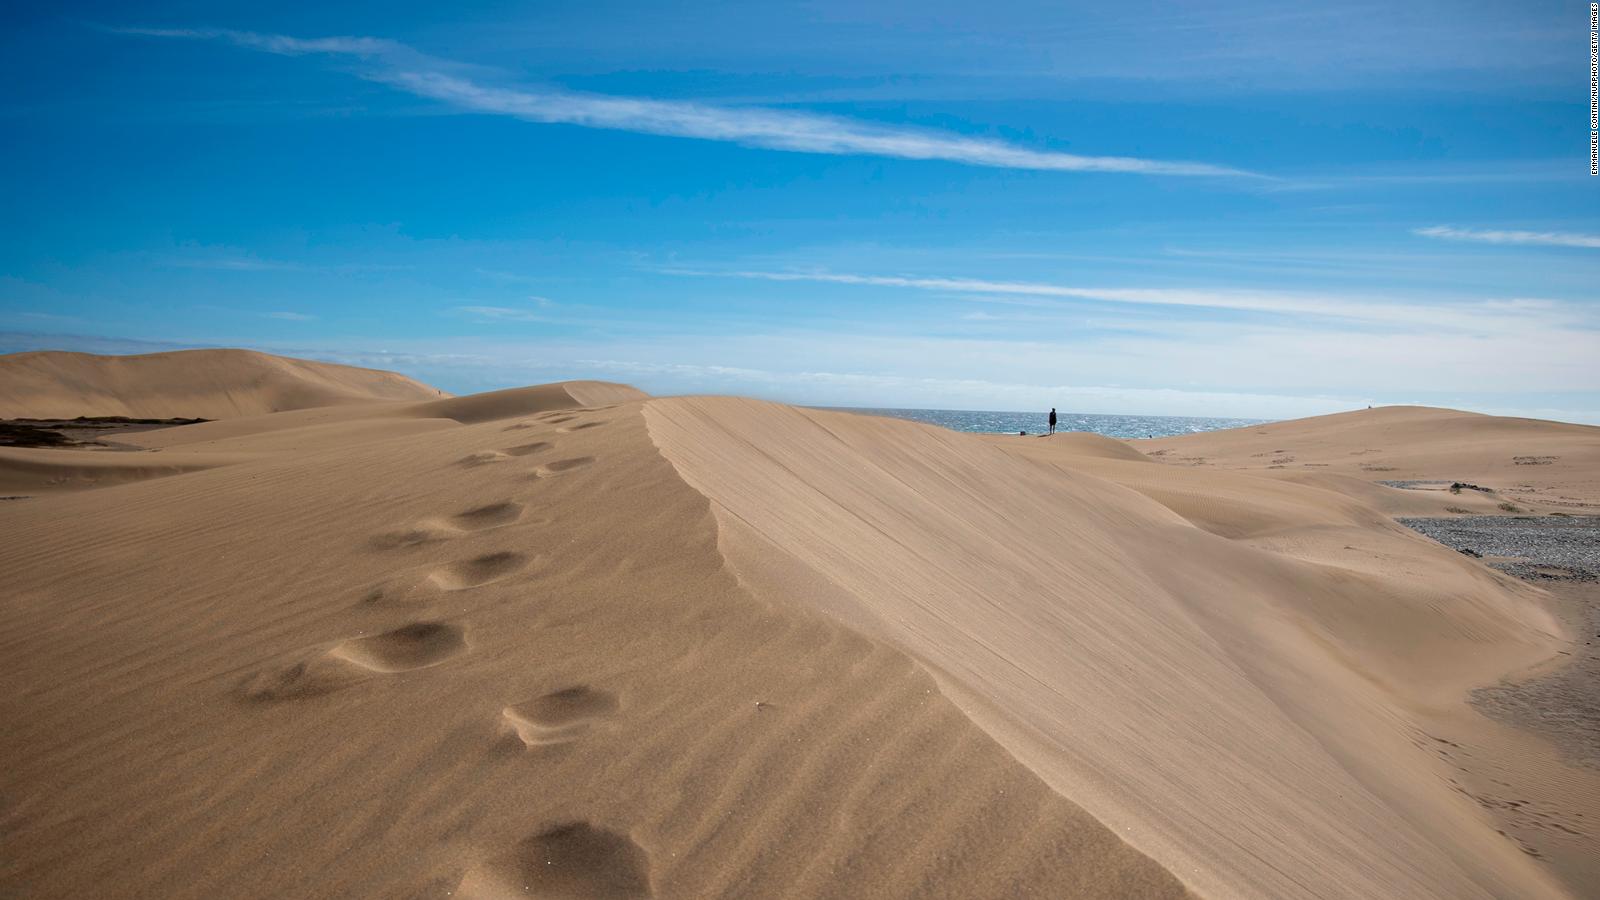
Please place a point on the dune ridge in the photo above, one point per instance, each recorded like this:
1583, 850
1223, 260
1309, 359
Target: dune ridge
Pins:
414, 678
207, 384
1063, 612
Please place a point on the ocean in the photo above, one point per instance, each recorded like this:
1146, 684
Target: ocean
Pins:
997, 422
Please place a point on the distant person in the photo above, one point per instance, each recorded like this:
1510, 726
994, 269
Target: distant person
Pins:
1052, 420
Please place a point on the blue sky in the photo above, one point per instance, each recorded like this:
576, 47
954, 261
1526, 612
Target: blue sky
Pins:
1261, 210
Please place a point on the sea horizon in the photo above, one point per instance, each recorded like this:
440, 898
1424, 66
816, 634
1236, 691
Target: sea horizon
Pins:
1122, 426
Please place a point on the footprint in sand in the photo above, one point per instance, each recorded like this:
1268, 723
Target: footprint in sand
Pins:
561, 466
561, 716
479, 518
574, 860
301, 681
528, 449
472, 460
423, 533
572, 428
559, 419
518, 427
489, 515
470, 573
414, 646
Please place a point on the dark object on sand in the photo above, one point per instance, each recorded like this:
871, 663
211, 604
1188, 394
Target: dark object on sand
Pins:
83, 431
16, 434
1023, 433
92, 421
1459, 486
1052, 420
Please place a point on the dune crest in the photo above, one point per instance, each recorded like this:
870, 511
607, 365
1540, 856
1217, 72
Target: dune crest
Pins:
512, 402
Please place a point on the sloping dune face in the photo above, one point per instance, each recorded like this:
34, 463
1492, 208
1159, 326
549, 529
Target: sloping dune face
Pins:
349, 665
1239, 710
206, 384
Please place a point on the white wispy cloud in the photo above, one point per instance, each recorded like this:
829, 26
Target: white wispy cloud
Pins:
1480, 315
291, 316
499, 314
236, 264
545, 310
1546, 238
404, 68
276, 43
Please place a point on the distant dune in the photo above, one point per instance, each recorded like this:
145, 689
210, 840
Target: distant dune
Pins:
1545, 466
205, 384
573, 641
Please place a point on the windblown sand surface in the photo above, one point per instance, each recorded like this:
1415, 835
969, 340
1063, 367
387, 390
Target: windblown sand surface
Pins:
569, 641
1542, 466
205, 384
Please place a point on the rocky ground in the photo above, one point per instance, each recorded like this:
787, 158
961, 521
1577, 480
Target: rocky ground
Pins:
1535, 548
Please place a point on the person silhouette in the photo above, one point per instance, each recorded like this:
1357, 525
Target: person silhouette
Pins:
1052, 420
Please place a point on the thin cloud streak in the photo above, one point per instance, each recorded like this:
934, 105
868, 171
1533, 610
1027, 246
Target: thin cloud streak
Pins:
237, 264
1545, 238
399, 66
500, 314
275, 43
1488, 315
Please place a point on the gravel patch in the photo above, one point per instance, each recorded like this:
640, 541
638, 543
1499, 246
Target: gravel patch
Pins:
1534, 548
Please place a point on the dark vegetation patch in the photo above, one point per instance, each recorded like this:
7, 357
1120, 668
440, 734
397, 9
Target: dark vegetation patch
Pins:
83, 431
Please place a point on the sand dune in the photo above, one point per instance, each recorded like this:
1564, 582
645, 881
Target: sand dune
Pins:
548, 398
552, 665
35, 471
206, 384
321, 429
1063, 610
1544, 466
571, 641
